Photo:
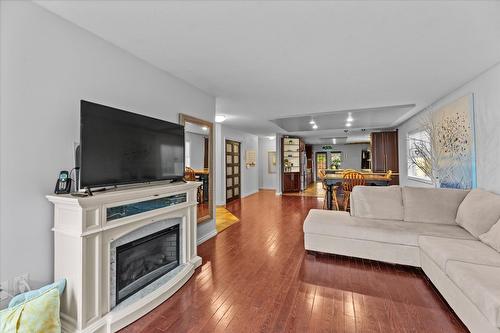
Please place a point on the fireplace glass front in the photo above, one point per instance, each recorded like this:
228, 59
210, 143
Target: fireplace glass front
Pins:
144, 260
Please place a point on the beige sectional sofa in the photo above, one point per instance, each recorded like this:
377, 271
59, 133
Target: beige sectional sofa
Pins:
453, 235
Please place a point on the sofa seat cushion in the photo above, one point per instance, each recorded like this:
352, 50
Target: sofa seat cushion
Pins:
432, 205
377, 202
442, 250
341, 224
479, 211
481, 285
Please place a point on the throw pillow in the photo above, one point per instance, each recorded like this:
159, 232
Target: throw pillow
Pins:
492, 237
479, 211
18, 299
38, 315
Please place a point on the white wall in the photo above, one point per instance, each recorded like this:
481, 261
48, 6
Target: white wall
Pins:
197, 150
249, 176
219, 165
486, 90
47, 66
351, 155
266, 180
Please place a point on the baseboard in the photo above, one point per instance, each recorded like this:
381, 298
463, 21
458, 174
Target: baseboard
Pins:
206, 237
249, 194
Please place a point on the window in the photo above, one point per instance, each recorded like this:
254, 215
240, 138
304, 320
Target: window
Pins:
419, 157
335, 160
320, 163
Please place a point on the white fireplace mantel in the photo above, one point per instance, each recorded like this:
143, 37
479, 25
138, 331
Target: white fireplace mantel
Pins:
82, 240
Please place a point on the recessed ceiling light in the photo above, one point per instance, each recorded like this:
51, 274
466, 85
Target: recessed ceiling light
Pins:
349, 118
315, 126
205, 128
219, 118
312, 122
348, 124
334, 141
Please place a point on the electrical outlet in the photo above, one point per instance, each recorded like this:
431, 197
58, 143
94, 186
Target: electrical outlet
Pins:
4, 286
21, 283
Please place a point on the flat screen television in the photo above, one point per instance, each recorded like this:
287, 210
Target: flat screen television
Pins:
120, 147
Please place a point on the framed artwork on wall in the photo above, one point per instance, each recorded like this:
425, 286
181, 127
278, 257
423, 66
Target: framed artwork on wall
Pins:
455, 144
271, 162
444, 149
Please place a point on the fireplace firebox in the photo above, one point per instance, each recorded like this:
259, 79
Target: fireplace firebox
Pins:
144, 260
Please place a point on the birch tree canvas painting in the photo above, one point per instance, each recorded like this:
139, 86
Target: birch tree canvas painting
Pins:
446, 153
454, 136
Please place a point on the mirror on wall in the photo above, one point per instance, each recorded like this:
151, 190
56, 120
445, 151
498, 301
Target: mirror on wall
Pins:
199, 161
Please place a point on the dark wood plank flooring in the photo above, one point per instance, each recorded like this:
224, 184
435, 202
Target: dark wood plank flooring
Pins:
256, 277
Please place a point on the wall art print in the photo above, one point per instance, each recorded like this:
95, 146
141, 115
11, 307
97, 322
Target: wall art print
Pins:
453, 142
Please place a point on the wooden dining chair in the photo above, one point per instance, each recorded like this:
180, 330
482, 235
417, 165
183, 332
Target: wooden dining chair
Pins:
335, 188
321, 176
190, 175
349, 181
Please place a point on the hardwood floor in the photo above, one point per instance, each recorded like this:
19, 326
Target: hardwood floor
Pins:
313, 190
256, 277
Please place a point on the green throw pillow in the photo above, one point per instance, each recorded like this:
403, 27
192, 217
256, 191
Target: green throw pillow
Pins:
38, 315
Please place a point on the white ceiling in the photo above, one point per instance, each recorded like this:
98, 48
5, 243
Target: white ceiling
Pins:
273, 59
341, 137
361, 118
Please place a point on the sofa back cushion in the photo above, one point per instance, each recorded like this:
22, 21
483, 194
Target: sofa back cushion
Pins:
377, 202
479, 211
432, 205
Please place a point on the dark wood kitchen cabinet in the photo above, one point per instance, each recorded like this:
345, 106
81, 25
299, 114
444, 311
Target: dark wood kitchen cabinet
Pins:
292, 150
291, 182
384, 151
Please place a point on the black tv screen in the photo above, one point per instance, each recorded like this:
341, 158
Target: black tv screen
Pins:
121, 147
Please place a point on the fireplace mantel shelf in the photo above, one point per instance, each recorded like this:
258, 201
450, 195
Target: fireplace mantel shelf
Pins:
82, 243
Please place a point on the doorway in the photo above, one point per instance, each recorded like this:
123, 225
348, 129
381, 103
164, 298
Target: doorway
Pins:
198, 162
233, 170
321, 162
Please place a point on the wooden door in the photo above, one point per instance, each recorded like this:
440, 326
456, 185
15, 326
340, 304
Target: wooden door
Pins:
385, 151
205, 156
378, 152
291, 182
233, 170
391, 151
